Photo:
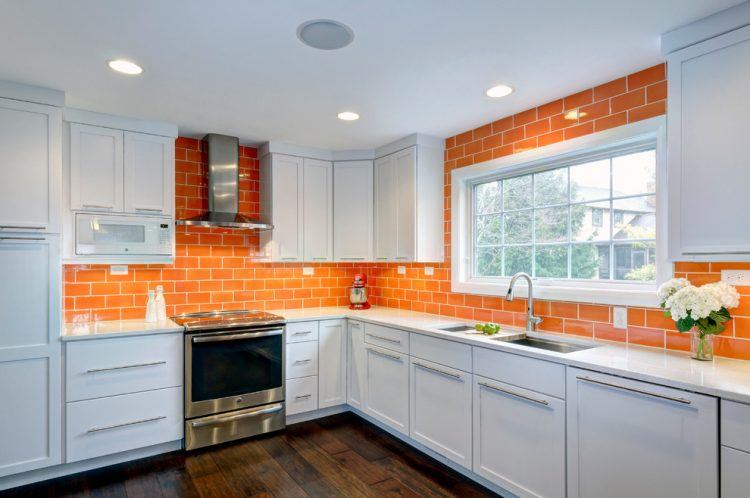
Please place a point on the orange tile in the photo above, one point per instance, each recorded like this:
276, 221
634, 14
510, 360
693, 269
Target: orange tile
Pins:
646, 336
524, 117
732, 348
688, 266
647, 76
579, 99
564, 310
678, 341
547, 110
637, 317
647, 111
656, 319
607, 332
628, 100
610, 89
594, 313
578, 327
611, 121
551, 324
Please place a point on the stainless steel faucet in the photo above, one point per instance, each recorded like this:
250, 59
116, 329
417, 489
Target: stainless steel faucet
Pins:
531, 320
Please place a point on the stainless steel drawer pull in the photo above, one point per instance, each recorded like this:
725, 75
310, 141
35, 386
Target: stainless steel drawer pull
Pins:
9, 227
303, 333
97, 206
402, 257
126, 424
234, 418
300, 362
392, 356
289, 259
351, 258
354, 325
387, 339
149, 209
517, 395
634, 390
123, 367
20, 238
303, 396
437, 370
235, 337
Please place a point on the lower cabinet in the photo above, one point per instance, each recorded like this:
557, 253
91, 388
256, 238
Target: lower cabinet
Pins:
332, 363
387, 387
628, 438
734, 468
440, 409
355, 365
519, 438
301, 395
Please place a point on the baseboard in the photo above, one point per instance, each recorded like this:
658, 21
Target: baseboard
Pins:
323, 412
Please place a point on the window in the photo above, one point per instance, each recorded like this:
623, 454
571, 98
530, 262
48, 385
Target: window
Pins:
597, 217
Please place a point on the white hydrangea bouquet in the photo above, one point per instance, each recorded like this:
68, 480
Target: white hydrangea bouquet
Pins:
702, 310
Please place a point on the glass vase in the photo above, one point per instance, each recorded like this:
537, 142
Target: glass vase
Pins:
701, 345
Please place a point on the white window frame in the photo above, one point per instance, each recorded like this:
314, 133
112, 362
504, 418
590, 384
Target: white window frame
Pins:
600, 292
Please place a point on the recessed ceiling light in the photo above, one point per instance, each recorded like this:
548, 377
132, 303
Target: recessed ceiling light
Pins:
498, 91
348, 116
125, 67
325, 34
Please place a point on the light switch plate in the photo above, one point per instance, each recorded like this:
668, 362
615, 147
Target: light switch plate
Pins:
620, 317
401, 270
428, 270
736, 277
118, 269
308, 270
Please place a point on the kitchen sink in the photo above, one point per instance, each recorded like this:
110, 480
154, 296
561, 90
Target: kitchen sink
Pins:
558, 347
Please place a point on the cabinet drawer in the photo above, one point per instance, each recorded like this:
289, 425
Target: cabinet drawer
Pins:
301, 331
301, 395
394, 339
449, 353
529, 373
110, 425
734, 466
735, 425
301, 359
107, 367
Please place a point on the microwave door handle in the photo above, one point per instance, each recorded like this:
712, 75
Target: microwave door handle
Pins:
235, 337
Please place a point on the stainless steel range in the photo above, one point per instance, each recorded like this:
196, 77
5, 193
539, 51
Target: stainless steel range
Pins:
234, 375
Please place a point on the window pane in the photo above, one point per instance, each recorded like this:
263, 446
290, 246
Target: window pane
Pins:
590, 261
517, 192
517, 258
518, 227
634, 174
489, 261
551, 224
487, 197
589, 221
635, 261
552, 261
589, 181
551, 187
489, 230
634, 218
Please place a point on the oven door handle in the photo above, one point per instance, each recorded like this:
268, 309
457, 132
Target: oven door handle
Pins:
235, 337
232, 418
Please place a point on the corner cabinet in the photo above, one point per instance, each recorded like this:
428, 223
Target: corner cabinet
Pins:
352, 211
628, 438
708, 119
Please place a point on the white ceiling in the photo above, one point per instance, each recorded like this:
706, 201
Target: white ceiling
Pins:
236, 66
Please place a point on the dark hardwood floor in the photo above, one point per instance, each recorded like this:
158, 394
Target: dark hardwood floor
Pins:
341, 455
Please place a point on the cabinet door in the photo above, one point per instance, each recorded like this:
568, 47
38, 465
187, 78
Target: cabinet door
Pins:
734, 467
30, 371
96, 171
318, 210
629, 438
513, 427
387, 387
332, 363
30, 152
149, 174
708, 148
405, 164
355, 365
287, 208
352, 210
440, 409
386, 208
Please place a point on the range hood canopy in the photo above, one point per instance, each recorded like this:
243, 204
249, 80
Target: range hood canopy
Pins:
223, 187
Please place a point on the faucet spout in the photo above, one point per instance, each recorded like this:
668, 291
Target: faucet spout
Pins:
531, 320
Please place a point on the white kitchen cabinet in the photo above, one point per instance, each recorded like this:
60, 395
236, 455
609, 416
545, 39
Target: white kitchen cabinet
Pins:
30, 152
387, 387
734, 468
301, 395
317, 210
96, 168
281, 204
332, 363
149, 174
30, 370
708, 119
519, 438
409, 205
352, 210
301, 359
628, 438
355, 365
440, 409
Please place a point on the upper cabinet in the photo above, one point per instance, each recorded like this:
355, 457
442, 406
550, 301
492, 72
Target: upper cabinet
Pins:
96, 158
281, 203
149, 174
317, 210
409, 205
708, 119
30, 147
352, 211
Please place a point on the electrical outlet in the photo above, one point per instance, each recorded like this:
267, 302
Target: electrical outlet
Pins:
428, 270
736, 277
401, 270
118, 269
308, 270
620, 317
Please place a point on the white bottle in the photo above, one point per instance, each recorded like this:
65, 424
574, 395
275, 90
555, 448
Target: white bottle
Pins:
151, 308
161, 304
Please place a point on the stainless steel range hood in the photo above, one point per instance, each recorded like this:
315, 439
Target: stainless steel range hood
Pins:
223, 187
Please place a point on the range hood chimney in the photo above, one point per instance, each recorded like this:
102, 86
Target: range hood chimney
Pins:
223, 187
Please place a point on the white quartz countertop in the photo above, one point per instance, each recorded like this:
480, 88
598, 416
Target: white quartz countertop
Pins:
112, 328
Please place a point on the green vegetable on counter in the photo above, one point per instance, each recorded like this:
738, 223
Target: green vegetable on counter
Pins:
487, 328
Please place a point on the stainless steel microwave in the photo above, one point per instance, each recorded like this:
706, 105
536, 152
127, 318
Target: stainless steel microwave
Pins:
98, 234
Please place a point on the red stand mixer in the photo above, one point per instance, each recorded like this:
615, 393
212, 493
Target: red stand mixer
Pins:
358, 293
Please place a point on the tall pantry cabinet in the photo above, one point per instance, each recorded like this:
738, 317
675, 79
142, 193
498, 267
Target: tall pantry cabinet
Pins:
30, 269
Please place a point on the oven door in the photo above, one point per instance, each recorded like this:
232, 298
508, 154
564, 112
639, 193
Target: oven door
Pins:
235, 369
